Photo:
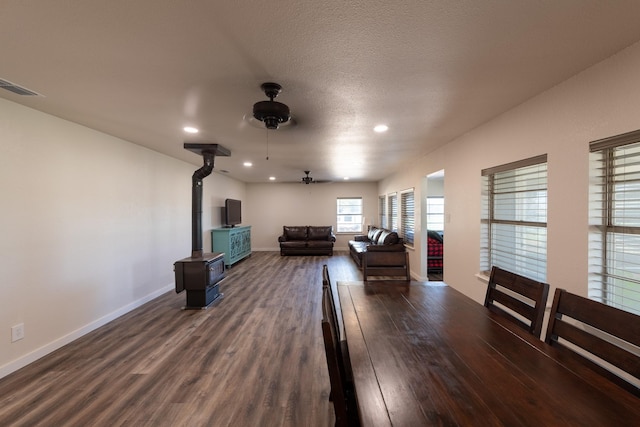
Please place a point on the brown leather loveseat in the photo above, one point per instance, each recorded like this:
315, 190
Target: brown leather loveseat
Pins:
376, 240
306, 240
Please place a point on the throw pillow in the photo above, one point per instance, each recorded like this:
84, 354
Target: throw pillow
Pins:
388, 238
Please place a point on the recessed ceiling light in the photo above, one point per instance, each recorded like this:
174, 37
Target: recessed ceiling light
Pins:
272, 178
381, 128
248, 164
190, 129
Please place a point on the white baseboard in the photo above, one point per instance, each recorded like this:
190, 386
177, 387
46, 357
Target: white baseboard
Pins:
66, 339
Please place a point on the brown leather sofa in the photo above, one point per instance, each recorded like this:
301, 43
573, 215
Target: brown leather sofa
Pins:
376, 239
306, 240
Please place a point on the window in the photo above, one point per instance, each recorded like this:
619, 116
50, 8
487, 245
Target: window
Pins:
407, 213
614, 221
349, 215
435, 213
514, 218
382, 211
392, 211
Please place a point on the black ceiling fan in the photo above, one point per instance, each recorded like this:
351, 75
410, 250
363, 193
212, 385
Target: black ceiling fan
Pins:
309, 180
272, 113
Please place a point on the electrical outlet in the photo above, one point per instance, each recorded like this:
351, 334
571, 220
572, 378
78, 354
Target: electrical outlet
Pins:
17, 332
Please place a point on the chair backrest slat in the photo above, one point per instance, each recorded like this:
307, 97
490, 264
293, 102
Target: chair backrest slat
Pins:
597, 346
530, 307
602, 331
600, 317
514, 304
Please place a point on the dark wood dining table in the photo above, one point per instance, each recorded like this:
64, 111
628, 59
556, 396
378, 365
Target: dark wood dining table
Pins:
426, 354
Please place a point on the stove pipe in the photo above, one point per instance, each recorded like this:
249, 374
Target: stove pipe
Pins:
208, 152
196, 204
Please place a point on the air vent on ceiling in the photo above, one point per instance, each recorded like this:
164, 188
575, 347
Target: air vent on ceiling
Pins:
12, 87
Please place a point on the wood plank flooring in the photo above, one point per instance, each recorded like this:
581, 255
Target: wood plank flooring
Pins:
255, 359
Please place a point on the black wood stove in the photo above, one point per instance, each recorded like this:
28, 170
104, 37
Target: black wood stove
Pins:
200, 273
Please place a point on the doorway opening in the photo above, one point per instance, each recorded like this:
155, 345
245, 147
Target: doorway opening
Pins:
435, 220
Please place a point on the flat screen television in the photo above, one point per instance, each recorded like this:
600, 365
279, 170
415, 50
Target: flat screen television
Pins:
232, 212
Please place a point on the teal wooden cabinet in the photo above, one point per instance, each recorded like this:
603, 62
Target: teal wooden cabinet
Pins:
234, 242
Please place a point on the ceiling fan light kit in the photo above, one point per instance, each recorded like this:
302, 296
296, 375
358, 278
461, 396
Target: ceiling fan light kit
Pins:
271, 113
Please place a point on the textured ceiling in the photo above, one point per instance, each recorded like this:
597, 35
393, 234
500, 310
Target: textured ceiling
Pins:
430, 70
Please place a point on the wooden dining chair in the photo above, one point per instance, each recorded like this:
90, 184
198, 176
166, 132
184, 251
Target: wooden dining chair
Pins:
326, 281
341, 394
597, 333
521, 300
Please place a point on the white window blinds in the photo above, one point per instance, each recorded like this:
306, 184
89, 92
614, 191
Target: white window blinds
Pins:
407, 215
435, 213
349, 215
382, 211
392, 211
614, 221
514, 218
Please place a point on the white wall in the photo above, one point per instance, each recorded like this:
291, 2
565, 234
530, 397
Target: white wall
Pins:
217, 188
270, 206
599, 102
91, 227
435, 187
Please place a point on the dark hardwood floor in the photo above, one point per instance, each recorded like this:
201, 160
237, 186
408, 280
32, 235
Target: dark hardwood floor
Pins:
435, 277
255, 359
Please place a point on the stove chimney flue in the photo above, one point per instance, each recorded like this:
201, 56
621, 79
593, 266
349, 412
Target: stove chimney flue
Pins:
196, 204
208, 152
